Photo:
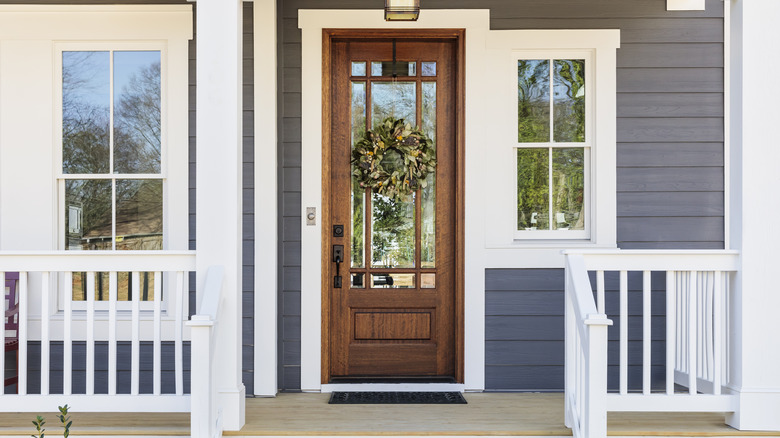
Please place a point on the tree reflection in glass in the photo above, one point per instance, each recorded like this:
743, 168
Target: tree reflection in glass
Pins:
392, 232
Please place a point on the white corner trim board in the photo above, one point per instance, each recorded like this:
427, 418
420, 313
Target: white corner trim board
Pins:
685, 5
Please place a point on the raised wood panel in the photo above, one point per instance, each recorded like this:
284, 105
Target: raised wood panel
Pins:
670, 55
524, 279
706, 129
670, 155
376, 326
643, 204
411, 359
667, 105
677, 229
632, 30
670, 80
675, 179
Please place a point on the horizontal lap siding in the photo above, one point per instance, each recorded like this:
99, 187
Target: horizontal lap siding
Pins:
669, 177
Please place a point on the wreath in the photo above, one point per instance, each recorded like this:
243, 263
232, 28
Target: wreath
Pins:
393, 159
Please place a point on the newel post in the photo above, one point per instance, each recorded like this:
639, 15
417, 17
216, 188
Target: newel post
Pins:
595, 408
218, 195
754, 358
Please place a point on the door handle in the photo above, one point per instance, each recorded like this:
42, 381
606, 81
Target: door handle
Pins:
338, 258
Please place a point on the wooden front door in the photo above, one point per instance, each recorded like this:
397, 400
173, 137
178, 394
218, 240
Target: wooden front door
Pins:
394, 311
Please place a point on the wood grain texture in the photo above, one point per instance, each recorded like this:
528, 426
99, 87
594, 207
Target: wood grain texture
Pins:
393, 326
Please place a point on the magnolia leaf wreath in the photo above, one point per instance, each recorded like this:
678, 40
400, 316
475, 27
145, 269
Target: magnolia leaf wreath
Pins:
393, 159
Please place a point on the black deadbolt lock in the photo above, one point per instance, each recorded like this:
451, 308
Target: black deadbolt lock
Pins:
338, 231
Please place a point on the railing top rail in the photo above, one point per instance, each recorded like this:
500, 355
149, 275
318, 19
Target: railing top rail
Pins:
658, 260
79, 261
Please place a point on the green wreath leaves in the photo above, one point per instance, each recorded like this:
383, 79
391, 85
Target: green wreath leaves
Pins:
393, 159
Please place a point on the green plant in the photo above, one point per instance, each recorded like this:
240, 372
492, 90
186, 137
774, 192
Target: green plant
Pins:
64, 420
38, 423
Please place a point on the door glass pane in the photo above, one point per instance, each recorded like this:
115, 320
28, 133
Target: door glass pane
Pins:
532, 188
569, 102
428, 213
358, 280
358, 196
358, 68
393, 99
392, 232
428, 281
429, 68
390, 280
86, 116
568, 188
137, 112
533, 101
139, 215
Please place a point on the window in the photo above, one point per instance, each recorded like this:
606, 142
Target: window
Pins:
112, 181
553, 147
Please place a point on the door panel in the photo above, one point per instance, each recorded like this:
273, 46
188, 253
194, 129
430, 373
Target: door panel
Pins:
394, 312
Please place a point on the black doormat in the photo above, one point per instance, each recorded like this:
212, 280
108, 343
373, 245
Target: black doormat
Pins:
402, 398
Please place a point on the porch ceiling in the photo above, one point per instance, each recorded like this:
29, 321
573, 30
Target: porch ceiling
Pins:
497, 414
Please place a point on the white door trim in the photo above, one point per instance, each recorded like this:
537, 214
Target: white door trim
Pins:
477, 24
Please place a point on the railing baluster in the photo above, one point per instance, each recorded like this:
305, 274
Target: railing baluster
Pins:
692, 329
646, 332
22, 371
717, 333
624, 332
600, 291
45, 345
3, 309
135, 343
67, 337
709, 335
91, 333
179, 297
157, 334
113, 296
671, 316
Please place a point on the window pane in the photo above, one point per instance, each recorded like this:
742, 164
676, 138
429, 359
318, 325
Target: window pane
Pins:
88, 214
569, 102
358, 193
532, 189
395, 281
85, 112
429, 68
393, 99
137, 112
533, 101
568, 188
392, 232
139, 214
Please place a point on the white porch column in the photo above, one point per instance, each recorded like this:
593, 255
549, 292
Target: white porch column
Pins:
754, 208
218, 200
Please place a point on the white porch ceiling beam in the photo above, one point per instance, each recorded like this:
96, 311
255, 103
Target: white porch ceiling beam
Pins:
684, 5
219, 186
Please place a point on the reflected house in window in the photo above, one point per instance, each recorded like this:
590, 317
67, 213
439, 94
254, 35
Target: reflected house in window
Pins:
139, 220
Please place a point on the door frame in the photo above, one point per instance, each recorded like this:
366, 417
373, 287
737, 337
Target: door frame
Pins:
458, 36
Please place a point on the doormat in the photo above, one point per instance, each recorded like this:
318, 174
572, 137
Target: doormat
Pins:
402, 398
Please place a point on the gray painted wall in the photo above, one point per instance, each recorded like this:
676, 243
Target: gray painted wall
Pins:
669, 177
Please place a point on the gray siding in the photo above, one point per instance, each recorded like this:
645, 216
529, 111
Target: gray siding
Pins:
669, 176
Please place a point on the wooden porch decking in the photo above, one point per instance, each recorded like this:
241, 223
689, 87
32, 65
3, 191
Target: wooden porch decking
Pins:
496, 414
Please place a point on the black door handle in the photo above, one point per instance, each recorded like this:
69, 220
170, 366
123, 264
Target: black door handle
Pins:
338, 258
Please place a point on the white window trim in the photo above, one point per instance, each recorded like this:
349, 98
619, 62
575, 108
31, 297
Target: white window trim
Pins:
506, 246
587, 145
46, 29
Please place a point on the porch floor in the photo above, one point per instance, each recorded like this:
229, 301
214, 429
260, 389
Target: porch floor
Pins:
497, 414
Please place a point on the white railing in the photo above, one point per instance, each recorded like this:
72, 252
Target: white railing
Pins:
206, 420
586, 355
49, 316
695, 294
